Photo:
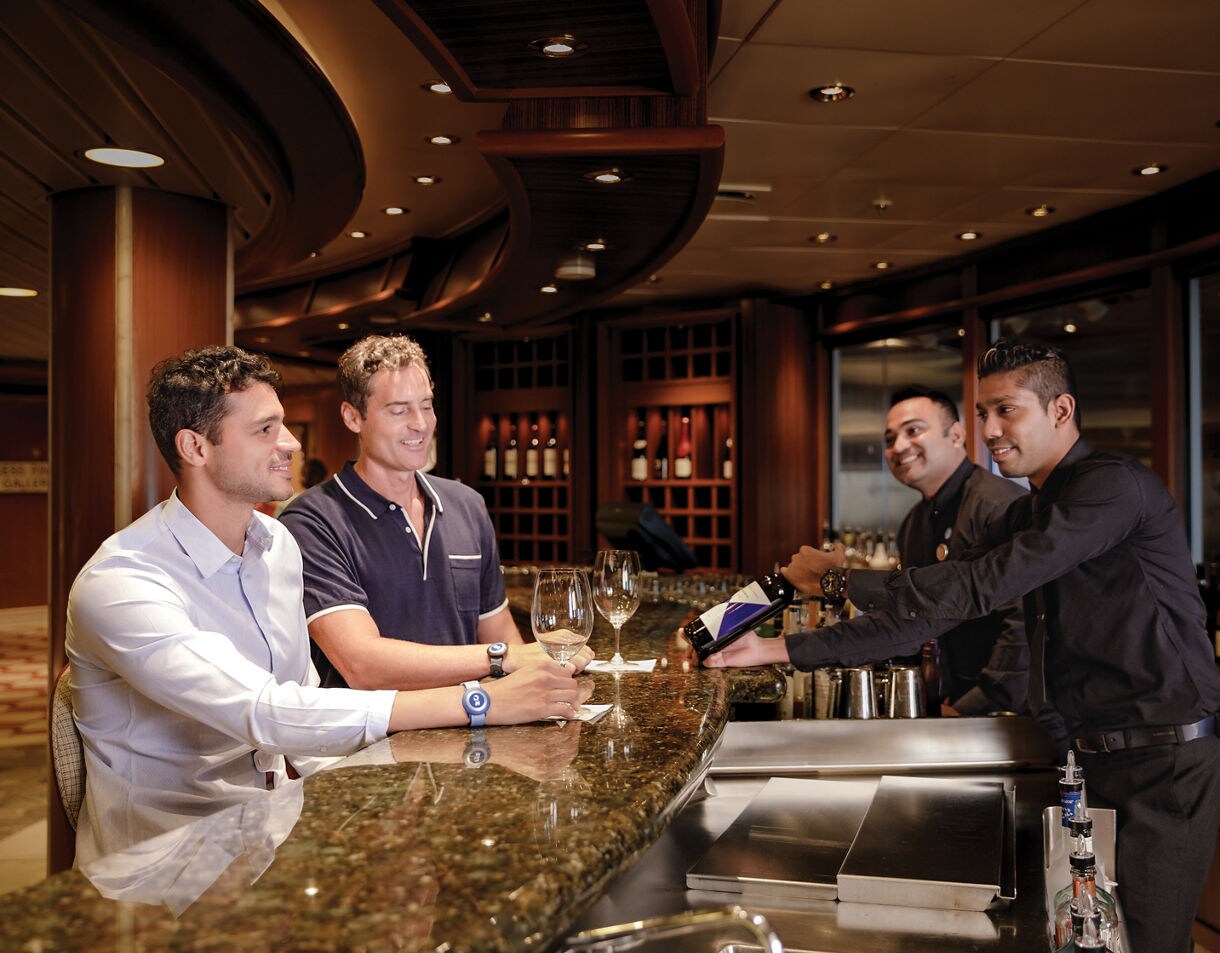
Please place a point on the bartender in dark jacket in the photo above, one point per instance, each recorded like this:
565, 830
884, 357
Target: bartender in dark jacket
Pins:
1118, 642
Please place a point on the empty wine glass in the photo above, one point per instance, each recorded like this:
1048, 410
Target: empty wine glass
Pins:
616, 593
562, 611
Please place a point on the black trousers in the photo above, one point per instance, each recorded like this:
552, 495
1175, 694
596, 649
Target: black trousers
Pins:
1167, 799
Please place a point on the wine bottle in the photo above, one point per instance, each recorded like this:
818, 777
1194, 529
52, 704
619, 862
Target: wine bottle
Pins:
550, 452
489, 456
510, 455
683, 465
660, 465
746, 608
639, 451
726, 466
531, 451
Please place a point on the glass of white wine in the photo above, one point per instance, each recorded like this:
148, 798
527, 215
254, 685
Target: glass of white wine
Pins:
562, 611
616, 593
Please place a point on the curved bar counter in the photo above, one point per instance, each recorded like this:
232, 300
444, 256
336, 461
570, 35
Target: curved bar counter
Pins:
432, 840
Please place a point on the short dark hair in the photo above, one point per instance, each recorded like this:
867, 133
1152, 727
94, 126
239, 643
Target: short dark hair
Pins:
942, 400
366, 357
188, 393
1040, 368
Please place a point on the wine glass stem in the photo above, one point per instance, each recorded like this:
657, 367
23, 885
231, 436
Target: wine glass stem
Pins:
618, 658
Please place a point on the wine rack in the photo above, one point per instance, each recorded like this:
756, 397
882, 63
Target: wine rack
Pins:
678, 378
522, 392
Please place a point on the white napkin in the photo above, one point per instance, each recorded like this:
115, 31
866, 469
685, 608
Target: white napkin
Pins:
636, 665
589, 713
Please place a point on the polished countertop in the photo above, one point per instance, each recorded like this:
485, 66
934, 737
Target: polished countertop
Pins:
432, 840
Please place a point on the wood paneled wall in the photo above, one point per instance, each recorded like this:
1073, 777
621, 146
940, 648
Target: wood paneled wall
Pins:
23, 562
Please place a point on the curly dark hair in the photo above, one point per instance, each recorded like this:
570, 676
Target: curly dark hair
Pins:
367, 356
1040, 368
188, 392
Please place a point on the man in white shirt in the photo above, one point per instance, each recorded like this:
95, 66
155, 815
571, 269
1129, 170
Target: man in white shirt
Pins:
191, 675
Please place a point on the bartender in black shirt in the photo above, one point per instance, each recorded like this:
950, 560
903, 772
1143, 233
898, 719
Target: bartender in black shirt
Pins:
1117, 636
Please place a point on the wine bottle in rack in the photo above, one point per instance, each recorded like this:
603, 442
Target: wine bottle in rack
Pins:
510, 455
639, 451
726, 465
531, 450
660, 465
490, 453
550, 451
683, 464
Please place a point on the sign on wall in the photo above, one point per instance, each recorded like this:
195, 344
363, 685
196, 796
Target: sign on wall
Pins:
24, 476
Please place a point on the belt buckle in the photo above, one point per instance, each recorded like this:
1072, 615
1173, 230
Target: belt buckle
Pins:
1085, 746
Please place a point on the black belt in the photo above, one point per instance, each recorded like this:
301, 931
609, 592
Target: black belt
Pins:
1144, 737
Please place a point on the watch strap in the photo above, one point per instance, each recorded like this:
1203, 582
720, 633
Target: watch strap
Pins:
476, 702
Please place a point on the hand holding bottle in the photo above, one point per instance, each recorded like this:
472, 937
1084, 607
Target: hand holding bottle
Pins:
807, 565
747, 651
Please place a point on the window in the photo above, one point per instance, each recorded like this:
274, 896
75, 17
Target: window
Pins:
1203, 355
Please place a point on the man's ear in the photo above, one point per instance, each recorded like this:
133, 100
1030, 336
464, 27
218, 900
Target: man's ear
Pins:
352, 418
957, 434
1063, 409
193, 448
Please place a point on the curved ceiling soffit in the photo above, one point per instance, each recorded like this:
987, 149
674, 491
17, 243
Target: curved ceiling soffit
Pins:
241, 64
634, 47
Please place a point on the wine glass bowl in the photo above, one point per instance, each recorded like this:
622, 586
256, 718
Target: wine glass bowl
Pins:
616, 593
561, 614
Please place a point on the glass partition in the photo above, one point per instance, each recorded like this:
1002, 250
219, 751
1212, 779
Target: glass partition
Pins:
1203, 356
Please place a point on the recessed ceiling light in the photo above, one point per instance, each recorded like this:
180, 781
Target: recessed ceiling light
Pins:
611, 176
427, 179
358, 234
1152, 168
485, 317
969, 235
394, 210
443, 139
18, 293
881, 265
127, 158
343, 325
1040, 211
654, 279
558, 47
302, 353
826, 285
831, 93
383, 319
823, 238
262, 340
548, 289
594, 245
1070, 328
961, 332
438, 86
314, 254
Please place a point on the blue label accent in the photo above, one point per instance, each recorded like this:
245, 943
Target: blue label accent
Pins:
1069, 804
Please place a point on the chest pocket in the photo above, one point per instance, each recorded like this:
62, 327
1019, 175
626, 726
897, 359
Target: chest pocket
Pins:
467, 573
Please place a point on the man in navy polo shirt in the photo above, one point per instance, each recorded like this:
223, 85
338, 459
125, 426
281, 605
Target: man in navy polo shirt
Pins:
402, 576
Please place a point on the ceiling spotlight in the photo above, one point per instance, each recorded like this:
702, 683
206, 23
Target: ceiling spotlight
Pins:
383, 319
969, 235
881, 265
654, 279
262, 339
358, 234
1152, 168
594, 245
485, 317
882, 205
1070, 328
427, 179
394, 210
18, 293
343, 325
126, 158
438, 86
823, 238
557, 47
612, 176
961, 332
314, 254
826, 285
549, 289
444, 140
1040, 211
576, 267
831, 93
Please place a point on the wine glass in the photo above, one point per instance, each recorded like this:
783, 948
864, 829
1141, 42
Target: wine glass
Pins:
562, 612
616, 593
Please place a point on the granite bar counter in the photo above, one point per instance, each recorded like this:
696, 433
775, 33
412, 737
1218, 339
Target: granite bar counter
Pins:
433, 840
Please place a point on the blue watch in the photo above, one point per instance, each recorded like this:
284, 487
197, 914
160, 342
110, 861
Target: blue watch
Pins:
476, 701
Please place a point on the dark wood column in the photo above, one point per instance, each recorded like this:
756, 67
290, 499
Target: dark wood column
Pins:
136, 275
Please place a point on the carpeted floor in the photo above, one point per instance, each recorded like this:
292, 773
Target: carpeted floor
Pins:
23, 676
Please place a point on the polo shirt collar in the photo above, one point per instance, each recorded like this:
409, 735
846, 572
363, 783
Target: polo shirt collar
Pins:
372, 502
204, 547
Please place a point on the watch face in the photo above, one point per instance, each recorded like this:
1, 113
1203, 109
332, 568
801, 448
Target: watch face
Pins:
497, 648
476, 701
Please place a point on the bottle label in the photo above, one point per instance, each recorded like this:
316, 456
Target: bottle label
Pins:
510, 464
531, 462
489, 463
727, 470
682, 468
1069, 801
740, 611
639, 468
550, 462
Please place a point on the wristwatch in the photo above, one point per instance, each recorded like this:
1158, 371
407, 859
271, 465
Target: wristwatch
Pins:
495, 654
834, 585
476, 701
477, 752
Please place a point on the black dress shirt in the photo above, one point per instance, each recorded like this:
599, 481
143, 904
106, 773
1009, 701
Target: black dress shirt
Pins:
1125, 644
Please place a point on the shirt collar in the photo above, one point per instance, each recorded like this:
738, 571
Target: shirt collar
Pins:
1062, 471
203, 546
952, 485
372, 502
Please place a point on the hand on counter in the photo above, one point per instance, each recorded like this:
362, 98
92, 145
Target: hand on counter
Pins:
529, 653
539, 690
807, 565
747, 651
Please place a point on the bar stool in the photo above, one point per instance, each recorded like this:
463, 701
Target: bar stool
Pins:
68, 768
